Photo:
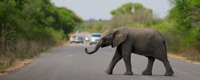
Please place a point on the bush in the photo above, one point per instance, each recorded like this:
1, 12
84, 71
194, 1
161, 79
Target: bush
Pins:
29, 27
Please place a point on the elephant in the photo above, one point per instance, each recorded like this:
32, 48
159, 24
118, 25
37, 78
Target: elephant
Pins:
142, 41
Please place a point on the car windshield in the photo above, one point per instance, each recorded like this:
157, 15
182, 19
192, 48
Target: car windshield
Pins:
96, 35
80, 38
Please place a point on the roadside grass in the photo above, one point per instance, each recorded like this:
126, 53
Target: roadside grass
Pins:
183, 58
19, 54
195, 58
191, 54
188, 56
16, 65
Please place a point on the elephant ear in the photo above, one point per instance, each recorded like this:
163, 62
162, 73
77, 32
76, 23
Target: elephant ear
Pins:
120, 36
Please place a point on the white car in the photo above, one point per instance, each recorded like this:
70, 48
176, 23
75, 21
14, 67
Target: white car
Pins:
87, 38
72, 39
94, 38
76, 39
79, 39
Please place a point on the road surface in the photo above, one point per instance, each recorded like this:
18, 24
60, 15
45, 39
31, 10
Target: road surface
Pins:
70, 62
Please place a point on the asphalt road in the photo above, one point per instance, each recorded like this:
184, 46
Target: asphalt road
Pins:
70, 62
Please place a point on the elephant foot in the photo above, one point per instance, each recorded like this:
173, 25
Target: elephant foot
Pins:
128, 73
169, 73
147, 73
108, 72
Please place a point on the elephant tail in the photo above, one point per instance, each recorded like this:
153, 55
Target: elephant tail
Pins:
164, 42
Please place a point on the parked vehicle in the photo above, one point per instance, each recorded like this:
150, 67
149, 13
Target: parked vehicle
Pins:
94, 38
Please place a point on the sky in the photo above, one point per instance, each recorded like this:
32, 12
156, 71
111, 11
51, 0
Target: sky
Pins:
100, 9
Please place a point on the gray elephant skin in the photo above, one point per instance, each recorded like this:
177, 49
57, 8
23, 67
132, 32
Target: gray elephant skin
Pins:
142, 41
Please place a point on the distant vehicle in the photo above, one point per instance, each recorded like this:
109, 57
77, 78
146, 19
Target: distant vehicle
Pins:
94, 38
87, 38
79, 40
72, 39
76, 39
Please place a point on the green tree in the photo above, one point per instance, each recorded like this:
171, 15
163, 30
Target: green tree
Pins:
132, 14
185, 16
28, 27
129, 14
67, 19
130, 8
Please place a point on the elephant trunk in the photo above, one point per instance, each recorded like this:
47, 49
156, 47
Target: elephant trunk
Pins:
95, 49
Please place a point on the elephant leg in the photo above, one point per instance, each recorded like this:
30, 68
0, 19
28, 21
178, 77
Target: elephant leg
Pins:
126, 53
127, 61
148, 70
169, 71
115, 59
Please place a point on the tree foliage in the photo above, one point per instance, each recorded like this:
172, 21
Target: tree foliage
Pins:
185, 15
30, 26
129, 14
130, 8
132, 14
